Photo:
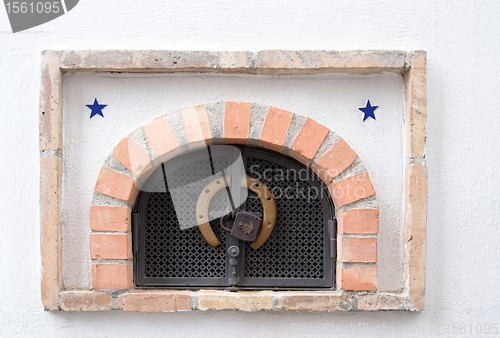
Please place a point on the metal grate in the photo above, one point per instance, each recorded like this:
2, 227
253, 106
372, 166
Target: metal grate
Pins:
297, 254
171, 252
296, 246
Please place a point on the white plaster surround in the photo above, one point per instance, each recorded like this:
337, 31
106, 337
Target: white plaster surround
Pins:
134, 99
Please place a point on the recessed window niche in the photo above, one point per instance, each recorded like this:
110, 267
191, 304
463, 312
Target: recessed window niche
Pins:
229, 204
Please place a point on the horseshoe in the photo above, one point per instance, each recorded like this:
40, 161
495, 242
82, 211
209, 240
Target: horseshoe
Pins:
255, 185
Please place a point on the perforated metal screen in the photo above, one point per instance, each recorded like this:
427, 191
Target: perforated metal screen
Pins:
173, 253
298, 254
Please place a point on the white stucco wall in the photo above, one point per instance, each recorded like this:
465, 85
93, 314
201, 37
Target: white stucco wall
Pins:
461, 39
135, 99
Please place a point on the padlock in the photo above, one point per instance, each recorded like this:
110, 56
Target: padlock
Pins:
246, 226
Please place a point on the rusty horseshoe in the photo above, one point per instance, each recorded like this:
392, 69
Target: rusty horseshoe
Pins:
253, 184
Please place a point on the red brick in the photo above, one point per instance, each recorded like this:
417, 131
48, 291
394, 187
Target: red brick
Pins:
196, 125
117, 185
308, 141
358, 277
109, 218
358, 221
133, 157
112, 276
161, 137
351, 189
156, 301
361, 250
334, 161
110, 246
237, 122
275, 128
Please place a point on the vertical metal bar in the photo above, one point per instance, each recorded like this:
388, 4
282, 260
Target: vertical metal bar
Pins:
230, 240
228, 189
331, 236
164, 177
135, 245
135, 231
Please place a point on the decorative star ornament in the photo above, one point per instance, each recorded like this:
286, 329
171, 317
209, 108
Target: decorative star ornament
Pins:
369, 111
96, 108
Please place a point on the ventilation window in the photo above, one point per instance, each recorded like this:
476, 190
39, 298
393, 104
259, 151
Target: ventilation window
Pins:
233, 217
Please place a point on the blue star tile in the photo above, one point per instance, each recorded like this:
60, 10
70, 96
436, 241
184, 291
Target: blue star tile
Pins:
96, 108
369, 111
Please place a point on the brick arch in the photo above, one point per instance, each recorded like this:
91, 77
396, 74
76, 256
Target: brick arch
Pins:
302, 138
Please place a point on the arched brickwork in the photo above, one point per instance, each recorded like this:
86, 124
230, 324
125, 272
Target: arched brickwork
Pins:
302, 138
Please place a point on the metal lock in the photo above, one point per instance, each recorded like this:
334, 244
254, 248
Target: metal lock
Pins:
246, 226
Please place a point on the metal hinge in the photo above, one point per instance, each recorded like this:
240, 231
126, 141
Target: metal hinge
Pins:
332, 225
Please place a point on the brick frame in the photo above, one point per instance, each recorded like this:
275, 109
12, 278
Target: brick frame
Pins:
355, 268
220, 123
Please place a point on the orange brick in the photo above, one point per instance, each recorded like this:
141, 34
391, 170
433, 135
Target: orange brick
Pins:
358, 277
132, 156
351, 189
275, 128
86, 301
196, 124
117, 185
237, 122
156, 301
111, 276
161, 137
120, 152
110, 246
334, 161
358, 221
309, 139
362, 250
109, 218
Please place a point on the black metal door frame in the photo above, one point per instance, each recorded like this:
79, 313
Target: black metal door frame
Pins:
329, 245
